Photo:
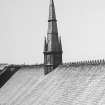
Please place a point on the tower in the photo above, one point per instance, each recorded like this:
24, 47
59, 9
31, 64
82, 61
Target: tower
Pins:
52, 45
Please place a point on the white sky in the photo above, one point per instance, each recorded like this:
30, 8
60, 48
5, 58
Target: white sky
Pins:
23, 25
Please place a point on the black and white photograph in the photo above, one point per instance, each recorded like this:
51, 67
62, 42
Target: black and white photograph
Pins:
52, 52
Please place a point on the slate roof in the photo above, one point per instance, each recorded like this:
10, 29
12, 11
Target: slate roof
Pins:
66, 85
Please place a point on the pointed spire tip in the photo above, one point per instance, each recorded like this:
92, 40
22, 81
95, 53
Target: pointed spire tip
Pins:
52, 15
51, 2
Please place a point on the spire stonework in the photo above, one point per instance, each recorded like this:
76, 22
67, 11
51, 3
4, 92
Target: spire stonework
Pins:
53, 46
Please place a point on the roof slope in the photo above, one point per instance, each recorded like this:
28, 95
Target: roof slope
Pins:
22, 80
67, 85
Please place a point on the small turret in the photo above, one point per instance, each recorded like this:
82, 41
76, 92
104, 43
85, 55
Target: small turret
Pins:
60, 44
45, 45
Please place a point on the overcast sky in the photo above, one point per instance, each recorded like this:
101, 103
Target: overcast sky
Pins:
23, 25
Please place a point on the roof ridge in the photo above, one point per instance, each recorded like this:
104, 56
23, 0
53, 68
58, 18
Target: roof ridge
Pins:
86, 62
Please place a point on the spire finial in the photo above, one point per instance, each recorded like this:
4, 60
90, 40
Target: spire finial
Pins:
52, 15
51, 2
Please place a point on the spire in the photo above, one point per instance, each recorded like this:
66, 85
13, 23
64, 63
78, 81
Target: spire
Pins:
52, 15
52, 34
53, 46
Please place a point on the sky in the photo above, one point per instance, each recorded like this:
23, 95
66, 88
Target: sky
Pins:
23, 26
